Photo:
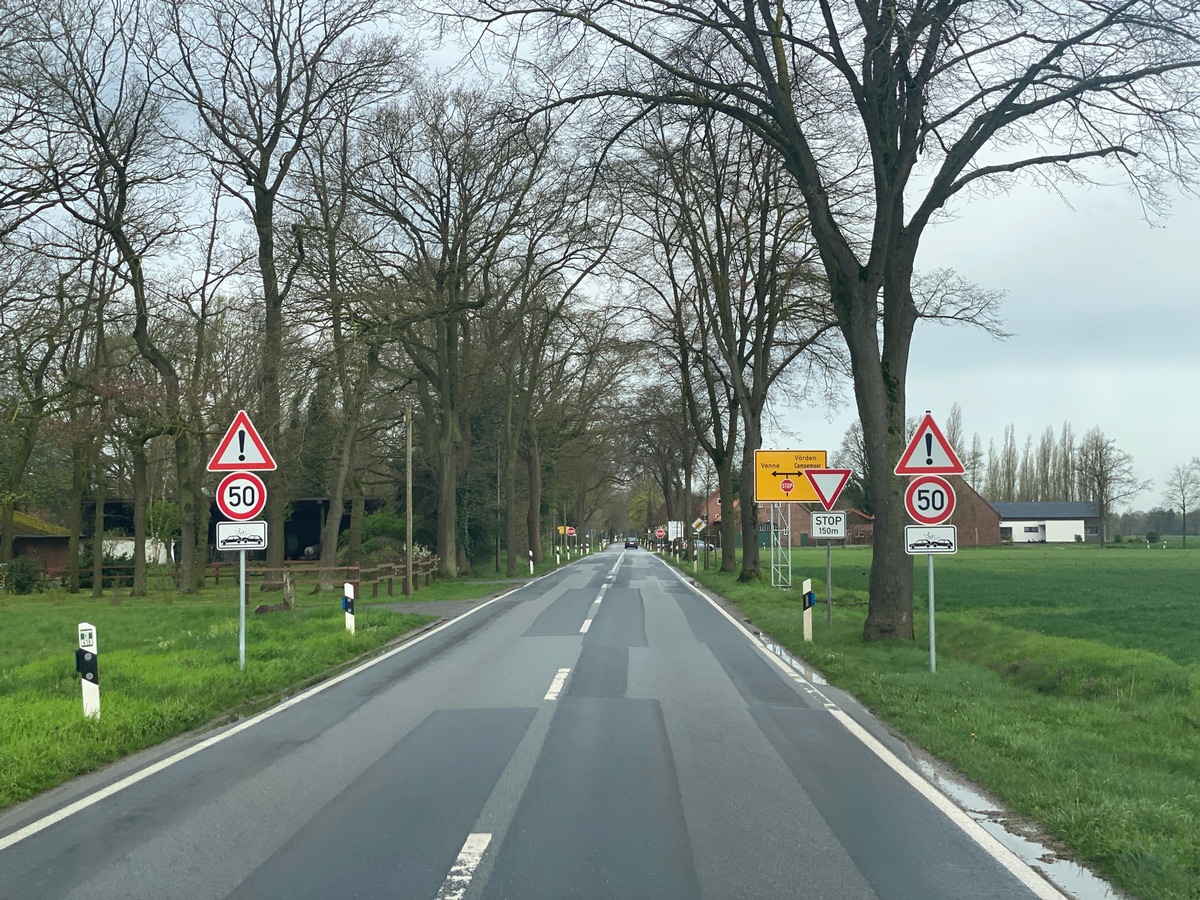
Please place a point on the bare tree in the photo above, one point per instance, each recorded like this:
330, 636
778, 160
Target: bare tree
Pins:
1181, 490
883, 115
730, 260
1106, 475
456, 179
259, 75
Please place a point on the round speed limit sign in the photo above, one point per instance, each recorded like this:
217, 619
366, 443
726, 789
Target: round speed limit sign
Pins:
929, 499
241, 496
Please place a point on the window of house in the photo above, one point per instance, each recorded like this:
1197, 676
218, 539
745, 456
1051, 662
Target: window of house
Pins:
1032, 529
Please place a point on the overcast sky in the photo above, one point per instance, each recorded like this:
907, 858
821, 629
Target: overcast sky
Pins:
1104, 312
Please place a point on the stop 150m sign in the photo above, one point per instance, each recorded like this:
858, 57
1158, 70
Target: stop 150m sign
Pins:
241, 496
929, 499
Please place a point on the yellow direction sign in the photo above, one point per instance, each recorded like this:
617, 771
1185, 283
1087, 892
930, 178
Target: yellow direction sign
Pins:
779, 475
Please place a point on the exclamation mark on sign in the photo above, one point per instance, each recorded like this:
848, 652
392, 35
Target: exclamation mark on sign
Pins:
242, 444
928, 449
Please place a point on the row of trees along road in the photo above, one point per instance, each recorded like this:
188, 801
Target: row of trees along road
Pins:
881, 115
261, 204
755, 181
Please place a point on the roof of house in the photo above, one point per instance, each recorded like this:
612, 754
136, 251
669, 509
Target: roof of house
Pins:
25, 525
1049, 509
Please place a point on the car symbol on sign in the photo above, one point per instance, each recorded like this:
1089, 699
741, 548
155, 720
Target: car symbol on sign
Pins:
242, 539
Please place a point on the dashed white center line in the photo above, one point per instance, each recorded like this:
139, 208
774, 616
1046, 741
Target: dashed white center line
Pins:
556, 685
587, 623
456, 883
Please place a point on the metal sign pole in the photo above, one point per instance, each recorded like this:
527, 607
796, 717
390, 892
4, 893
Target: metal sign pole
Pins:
932, 634
829, 583
242, 612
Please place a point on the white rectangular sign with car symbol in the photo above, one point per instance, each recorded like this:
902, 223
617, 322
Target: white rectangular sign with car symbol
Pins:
930, 539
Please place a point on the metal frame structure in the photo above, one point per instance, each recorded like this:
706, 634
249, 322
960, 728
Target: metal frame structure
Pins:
781, 545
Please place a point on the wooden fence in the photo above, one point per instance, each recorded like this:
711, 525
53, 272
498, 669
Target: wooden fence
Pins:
388, 577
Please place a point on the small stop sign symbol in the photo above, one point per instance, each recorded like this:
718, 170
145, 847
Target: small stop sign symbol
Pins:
787, 485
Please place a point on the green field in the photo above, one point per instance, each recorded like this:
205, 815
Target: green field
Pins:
168, 664
1068, 683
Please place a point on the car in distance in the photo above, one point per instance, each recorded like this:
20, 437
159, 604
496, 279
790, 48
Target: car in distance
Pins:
631, 543
702, 545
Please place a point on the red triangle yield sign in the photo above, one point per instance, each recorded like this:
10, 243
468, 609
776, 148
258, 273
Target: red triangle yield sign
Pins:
929, 453
828, 483
241, 450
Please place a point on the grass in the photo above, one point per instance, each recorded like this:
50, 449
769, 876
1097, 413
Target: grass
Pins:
1068, 683
168, 664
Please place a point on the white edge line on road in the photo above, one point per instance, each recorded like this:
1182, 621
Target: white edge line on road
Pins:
456, 883
556, 685
129, 780
992, 846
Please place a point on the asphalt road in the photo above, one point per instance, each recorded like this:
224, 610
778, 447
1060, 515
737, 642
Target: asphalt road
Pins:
604, 732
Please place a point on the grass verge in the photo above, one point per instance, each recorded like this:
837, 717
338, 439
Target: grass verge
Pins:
1067, 684
168, 664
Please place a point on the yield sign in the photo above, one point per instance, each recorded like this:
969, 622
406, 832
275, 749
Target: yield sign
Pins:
828, 483
241, 450
929, 453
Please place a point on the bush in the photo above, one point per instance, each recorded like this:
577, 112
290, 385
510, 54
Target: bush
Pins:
383, 524
24, 576
1117, 539
1152, 537
1079, 538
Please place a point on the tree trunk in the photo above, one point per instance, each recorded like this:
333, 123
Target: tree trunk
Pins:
269, 399
879, 379
98, 529
510, 511
185, 476
358, 507
533, 516
75, 516
337, 503
139, 519
729, 523
447, 513
6, 528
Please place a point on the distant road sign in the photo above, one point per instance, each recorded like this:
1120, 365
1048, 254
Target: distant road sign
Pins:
929, 452
241, 496
570, 531
658, 533
929, 499
242, 449
930, 539
829, 526
779, 475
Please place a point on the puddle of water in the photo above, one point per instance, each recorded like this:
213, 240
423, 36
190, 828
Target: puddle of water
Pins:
1073, 879
796, 664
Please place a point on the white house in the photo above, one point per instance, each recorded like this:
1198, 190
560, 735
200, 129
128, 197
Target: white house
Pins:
156, 551
1049, 522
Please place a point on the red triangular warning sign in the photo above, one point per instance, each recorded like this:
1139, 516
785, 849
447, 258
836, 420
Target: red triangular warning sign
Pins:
828, 483
241, 450
929, 453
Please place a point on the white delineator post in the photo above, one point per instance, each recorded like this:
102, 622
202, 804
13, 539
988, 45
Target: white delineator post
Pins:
530, 562
87, 664
807, 601
348, 605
